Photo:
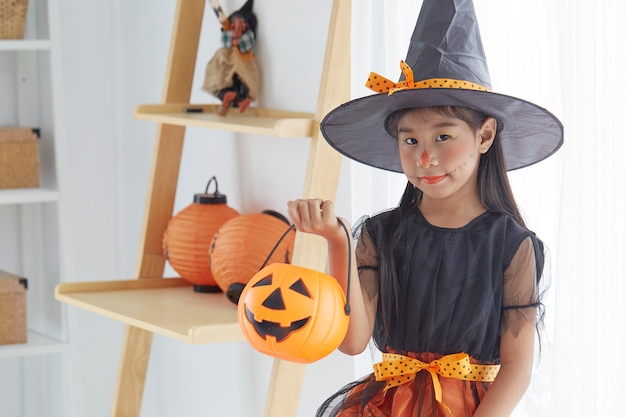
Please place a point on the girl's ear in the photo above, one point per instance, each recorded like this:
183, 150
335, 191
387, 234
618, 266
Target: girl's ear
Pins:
487, 133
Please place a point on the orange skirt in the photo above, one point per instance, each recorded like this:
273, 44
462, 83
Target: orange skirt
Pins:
415, 398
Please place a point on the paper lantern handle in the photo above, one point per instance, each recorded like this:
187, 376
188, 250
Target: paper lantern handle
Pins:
212, 179
206, 198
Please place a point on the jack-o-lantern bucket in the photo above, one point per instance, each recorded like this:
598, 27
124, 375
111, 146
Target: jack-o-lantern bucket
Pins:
293, 313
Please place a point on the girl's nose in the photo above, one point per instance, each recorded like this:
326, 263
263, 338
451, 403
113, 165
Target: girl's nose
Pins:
427, 160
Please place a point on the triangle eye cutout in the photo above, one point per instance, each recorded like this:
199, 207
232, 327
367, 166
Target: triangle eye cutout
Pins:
275, 301
265, 281
300, 288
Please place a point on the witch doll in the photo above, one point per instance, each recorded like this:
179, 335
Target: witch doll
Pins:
232, 74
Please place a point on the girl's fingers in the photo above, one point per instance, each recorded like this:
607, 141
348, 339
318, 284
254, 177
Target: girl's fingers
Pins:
292, 210
315, 216
309, 215
299, 212
327, 212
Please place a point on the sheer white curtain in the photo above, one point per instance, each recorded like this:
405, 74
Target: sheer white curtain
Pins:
568, 56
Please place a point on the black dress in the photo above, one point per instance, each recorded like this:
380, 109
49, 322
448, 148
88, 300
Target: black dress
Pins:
457, 291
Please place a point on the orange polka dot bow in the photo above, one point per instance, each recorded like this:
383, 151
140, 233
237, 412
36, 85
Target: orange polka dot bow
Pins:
380, 84
399, 369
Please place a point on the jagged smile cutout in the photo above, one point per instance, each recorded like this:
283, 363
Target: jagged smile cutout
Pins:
270, 328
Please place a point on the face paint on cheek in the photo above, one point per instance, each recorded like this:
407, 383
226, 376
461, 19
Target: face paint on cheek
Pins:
462, 164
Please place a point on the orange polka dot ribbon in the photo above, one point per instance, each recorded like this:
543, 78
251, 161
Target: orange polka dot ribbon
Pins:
380, 84
399, 369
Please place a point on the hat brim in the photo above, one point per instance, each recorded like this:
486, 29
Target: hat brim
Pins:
528, 134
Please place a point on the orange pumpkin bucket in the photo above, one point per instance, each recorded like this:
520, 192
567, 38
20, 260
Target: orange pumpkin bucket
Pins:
293, 313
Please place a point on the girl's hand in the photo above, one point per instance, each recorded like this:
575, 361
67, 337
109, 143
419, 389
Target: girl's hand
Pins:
317, 217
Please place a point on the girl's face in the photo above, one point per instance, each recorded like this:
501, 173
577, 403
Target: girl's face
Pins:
440, 153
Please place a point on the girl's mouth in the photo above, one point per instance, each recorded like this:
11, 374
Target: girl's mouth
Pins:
432, 180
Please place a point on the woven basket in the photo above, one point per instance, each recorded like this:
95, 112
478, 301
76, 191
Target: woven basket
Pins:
19, 158
12, 309
12, 18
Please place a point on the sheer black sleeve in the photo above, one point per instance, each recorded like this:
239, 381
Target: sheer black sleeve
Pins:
521, 300
367, 264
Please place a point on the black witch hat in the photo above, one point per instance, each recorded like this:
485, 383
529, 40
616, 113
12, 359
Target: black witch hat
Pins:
445, 66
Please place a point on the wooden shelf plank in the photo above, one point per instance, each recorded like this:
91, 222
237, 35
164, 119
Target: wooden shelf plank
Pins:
261, 121
28, 195
38, 344
166, 306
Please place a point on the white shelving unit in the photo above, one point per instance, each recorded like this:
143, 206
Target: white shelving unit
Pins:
38, 344
28, 195
32, 375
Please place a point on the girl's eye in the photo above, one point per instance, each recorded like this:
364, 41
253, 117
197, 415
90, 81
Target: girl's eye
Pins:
410, 141
442, 138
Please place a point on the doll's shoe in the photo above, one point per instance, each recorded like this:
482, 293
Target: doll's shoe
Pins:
243, 105
226, 102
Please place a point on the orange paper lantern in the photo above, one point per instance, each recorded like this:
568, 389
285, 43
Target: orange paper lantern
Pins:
293, 313
241, 246
188, 236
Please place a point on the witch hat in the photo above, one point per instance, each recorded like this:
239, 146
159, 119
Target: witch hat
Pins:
445, 66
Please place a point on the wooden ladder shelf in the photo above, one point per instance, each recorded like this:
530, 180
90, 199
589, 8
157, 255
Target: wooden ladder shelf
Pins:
146, 304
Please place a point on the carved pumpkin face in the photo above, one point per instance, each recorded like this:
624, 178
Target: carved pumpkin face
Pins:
293, 313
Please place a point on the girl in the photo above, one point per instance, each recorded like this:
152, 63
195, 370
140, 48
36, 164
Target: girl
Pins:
449, 279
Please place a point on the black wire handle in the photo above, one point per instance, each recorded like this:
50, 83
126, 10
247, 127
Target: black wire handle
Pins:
213, 179
345, 229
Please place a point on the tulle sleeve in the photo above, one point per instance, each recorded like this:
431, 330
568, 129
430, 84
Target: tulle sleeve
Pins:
367, 264
522, 301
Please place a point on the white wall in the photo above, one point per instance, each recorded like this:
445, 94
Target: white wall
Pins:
114, 57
